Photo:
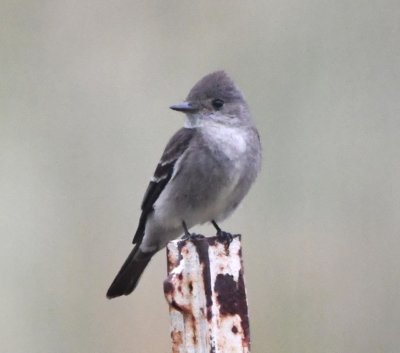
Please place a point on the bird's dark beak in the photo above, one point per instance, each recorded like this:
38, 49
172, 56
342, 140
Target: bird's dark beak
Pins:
185, 107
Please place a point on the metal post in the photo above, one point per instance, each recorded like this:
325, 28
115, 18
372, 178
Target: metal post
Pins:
207, 296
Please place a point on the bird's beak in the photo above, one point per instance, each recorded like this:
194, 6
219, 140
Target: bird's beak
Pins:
185, 107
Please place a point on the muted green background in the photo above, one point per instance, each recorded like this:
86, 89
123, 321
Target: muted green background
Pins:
84, 93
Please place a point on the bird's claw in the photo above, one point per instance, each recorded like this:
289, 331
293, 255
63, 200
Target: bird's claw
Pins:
224, 237
192, 236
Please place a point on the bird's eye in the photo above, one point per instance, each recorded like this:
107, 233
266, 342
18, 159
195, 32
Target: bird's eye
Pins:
217, 103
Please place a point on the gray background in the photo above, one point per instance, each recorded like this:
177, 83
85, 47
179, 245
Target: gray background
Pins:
84, 93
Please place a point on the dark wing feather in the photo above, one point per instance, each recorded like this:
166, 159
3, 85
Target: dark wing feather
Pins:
176, 146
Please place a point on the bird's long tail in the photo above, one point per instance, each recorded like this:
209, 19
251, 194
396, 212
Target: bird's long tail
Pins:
129, 274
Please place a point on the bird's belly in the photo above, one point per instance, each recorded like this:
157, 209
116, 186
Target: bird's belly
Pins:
214, 198
199, 197
209, 189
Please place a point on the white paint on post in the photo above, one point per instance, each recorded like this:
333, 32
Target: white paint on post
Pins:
207, 298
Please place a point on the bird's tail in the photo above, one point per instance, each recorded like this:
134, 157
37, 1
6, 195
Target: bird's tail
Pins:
129, 274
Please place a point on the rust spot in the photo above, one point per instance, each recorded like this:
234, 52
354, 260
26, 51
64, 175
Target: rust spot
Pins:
212, 349
234, 329
212, 241
177, 341
175, 305
227, 294
226, 245
168, 287
202, 250
194, 337
231, 296
180, 276
180, 289
181, 244
190, 285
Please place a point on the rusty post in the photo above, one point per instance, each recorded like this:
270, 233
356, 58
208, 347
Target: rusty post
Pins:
207, 297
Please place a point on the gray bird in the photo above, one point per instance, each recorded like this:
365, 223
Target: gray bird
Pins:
204, 173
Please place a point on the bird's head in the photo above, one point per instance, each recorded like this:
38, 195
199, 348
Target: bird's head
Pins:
215, 98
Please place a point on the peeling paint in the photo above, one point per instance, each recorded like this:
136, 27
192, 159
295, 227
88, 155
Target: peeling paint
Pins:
206, 292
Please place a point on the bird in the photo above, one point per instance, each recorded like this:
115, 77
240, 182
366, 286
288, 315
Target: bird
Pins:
205, 171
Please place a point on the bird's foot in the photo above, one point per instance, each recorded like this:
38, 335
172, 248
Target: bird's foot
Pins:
224, 237
190, 236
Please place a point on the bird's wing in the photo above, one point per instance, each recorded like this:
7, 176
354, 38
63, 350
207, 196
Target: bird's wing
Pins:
175, 148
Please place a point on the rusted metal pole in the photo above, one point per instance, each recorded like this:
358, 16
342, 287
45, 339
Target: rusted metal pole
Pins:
207, 297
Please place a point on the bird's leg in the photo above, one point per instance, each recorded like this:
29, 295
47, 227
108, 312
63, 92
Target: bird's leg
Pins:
186, 230
223, 237
190, 236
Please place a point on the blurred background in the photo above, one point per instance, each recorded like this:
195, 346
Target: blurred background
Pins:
84, 93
